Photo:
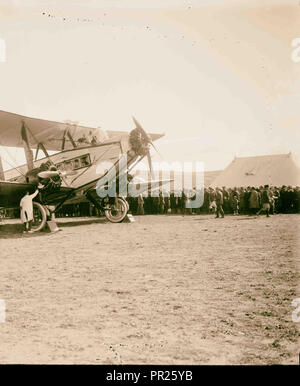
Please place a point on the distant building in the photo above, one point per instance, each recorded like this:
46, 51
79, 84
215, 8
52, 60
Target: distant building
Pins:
276, 170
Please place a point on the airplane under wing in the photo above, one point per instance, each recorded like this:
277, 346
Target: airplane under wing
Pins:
53, 135
146, 186
12, 192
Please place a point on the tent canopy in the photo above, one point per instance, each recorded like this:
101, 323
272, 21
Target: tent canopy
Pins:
276, 170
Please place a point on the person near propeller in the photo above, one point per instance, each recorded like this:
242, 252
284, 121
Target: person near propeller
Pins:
26, 207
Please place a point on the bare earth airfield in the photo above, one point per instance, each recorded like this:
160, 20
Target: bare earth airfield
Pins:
163, 290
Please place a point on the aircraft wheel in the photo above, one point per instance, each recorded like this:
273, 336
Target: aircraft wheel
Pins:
126, 202
117, 211
39, 217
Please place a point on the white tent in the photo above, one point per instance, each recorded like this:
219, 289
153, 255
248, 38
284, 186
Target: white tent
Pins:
276, 170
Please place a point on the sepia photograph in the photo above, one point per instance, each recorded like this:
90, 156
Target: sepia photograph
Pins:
150, 184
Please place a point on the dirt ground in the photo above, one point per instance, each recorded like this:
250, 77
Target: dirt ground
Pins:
162, 290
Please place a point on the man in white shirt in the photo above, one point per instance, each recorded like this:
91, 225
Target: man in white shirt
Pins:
27, 210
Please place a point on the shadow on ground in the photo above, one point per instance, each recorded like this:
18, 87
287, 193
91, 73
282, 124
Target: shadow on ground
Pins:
15, 230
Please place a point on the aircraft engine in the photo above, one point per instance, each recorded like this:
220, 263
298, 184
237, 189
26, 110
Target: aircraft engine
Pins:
46, 175
140, 143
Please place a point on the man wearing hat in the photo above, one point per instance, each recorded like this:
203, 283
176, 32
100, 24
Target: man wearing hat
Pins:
219, 202
265, 201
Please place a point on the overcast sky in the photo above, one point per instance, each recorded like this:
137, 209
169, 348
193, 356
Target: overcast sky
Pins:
217, 77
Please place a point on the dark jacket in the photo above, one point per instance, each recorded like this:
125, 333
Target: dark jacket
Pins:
219, 198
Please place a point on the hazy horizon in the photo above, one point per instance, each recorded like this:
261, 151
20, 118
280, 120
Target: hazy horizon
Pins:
217, 77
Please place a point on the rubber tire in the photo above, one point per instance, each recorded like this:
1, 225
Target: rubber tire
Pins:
43, 214
126, 202
113, 219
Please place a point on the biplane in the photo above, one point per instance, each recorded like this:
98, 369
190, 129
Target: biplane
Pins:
71, 173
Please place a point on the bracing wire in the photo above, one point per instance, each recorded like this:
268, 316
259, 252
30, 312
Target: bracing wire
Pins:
11, 165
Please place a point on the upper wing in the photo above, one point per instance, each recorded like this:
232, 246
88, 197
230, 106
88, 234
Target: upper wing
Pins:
113, 134
52, 134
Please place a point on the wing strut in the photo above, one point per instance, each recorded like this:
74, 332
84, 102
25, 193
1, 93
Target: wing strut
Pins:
41, 145
27, 150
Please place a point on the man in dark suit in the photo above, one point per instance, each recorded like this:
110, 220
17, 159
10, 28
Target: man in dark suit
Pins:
265, 201
219, 202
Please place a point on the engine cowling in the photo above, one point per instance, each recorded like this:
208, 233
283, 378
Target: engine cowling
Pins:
50, 184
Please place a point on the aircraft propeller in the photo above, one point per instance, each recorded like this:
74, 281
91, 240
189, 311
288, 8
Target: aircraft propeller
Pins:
55, 173
147, 139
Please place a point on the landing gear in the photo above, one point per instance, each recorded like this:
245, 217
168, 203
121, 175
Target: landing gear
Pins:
116, 210
126, 202
39, 217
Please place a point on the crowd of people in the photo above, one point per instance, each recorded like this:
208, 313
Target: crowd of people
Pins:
249, 200
218, 201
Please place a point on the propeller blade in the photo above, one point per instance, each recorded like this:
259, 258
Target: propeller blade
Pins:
55, 173
139, 127
68, 173
137, 124
48, 174
155, 148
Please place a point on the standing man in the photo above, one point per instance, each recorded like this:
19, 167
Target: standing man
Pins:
205, 206
242, 200
27, 210
235, 201
181, 202
219, 202
265, 201
173, 202
254, 203
225, 200
140, 209
212, 200
166, 203
161, 203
